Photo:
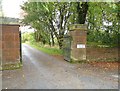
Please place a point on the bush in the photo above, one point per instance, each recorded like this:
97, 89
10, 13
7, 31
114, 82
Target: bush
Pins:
27, 37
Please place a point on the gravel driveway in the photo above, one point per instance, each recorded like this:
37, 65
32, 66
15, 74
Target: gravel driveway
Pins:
42, 71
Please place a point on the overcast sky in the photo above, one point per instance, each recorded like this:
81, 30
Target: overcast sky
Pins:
11, 8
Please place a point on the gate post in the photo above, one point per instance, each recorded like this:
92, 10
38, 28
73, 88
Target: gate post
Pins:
10, 46
78, 44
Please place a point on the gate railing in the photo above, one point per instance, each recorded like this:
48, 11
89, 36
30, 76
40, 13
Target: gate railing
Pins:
67, 47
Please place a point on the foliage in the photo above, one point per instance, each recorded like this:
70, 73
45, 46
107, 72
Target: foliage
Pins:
51, 20
103, 23
27, 37
53, 16
78, 12
36, 17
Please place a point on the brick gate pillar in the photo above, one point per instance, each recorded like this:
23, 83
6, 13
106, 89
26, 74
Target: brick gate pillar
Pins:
10, 44
78, 44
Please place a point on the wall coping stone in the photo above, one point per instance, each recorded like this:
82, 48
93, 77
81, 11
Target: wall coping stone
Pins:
9, 25
78, 27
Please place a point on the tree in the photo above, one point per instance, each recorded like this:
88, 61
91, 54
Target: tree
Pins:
82, 9
53, 15
62, 14
78, 12
36, 17
102, 23
53, 18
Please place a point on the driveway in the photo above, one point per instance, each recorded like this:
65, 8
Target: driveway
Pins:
42, 71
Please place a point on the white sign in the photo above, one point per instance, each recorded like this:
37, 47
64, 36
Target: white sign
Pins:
80, 45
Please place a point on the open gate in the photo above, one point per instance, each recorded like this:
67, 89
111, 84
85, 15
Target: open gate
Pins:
20, 46
67, 47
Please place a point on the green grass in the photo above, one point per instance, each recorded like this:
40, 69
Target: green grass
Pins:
11, 66
47, 50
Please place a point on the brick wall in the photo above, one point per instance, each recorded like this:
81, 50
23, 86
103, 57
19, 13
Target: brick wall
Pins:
10, 44
102, 54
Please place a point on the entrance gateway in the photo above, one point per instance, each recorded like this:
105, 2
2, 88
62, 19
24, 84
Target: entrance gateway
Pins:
75, 43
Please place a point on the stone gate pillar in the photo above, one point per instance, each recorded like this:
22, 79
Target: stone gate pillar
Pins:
78, 43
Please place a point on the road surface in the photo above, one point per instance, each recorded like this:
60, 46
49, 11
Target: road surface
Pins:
42, 71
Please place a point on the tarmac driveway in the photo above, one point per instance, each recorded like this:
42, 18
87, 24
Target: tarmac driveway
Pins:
42, 71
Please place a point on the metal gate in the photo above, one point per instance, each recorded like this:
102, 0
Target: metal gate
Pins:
67, 47
20, 46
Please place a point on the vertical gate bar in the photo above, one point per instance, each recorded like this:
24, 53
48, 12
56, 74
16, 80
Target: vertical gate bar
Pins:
20, 47
67, 47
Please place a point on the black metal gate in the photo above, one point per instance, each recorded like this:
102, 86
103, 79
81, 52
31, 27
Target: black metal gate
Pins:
67, 47
20, 46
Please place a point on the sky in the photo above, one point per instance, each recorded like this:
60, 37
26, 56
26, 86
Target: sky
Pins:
11, 8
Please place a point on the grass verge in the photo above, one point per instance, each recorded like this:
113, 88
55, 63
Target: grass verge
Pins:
11, 66
47, 50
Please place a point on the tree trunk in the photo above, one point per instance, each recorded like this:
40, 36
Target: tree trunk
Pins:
82, 12
60, 42
53, 42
